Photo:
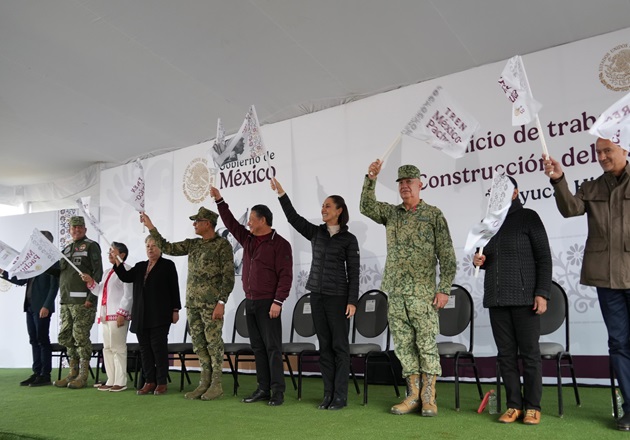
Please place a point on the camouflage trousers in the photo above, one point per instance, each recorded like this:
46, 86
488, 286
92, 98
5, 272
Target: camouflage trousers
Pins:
207, 337
76, 323
415, 326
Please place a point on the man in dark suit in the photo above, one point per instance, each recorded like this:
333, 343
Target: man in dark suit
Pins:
39, 305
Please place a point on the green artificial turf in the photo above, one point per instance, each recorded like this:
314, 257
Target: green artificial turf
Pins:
54, 413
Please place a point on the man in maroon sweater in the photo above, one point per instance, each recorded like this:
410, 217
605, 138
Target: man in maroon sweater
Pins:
267, 278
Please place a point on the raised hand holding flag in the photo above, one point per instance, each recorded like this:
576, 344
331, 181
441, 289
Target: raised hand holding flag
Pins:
614, 123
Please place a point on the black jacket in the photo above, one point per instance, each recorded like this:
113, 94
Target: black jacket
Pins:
155, 299
518, 260
335, 263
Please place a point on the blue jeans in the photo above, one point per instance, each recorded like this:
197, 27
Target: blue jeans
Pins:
615, 307
38, 337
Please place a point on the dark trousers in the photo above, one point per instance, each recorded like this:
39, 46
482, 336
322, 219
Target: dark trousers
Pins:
615, 307
331, 326
38, 336
154, 353
265, 336
516, 331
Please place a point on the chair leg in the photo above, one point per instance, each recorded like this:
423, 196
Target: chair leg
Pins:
456, 365
354, 378
299, 386
575, 386
365, 380
559, 375
286, 361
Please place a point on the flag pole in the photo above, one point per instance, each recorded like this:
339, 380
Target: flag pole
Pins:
391, 147
480, 253
538, 126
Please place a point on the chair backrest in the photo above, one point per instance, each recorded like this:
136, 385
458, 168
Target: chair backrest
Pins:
458, 315
240, 322
302, 321
370, 319
557, 312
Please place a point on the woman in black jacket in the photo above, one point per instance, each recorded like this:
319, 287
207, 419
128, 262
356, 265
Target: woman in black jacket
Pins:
517, 261
156, 305
334, 285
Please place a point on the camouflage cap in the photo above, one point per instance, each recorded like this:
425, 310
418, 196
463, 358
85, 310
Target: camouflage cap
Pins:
206, 214
77, 220
408, 172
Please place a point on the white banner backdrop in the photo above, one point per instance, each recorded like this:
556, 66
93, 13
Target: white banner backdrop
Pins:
328, 152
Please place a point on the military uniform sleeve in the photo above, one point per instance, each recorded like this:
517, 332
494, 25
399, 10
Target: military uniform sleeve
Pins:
353, 262
226, 257
176, 249
445, 254
568, 204
369, 206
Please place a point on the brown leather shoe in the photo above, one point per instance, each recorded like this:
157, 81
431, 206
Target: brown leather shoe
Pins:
532, 417
148, 388
511, 415
160, 389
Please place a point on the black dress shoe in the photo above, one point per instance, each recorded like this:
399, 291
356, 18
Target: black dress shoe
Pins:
28, 381
41, 381
623, 423
326, 402
277, 399
337, 403
257, 396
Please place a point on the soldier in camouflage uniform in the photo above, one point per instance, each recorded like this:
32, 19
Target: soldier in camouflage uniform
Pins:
417, 239
78, 304
210, 281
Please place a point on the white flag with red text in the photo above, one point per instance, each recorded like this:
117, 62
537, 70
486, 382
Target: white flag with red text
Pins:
614, 123
133, 193
7, 255
443, 123
514, 83
244, 145
499, 204
36, 257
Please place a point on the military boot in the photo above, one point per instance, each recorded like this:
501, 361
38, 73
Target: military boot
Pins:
216, 390
427, 394
204, 383
81, 380
74, 372
412, 402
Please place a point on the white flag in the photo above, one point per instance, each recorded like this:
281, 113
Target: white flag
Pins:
614, 123
36, 257
246, 144
134, 192
498, 206
443, 123
514, 83
7, 255
84, 208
